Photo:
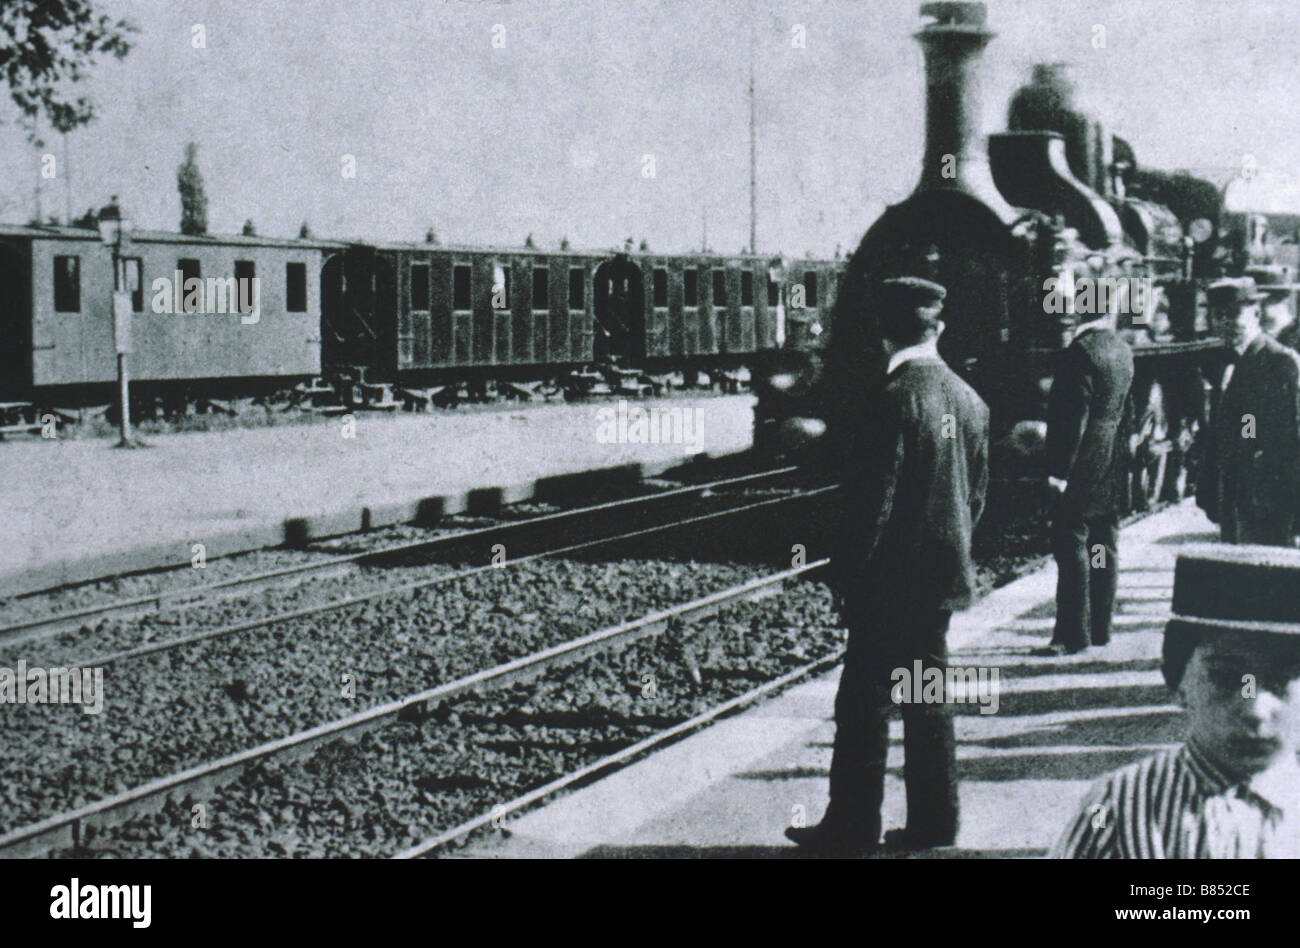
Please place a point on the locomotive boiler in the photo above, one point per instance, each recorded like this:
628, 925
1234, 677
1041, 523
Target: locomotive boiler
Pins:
1033, 231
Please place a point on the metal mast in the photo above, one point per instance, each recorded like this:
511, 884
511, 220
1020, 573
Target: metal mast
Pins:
753, 148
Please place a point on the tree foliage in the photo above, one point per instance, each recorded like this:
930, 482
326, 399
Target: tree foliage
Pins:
46, 46
194, 200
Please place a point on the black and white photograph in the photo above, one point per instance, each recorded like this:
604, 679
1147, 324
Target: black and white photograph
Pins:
782, 432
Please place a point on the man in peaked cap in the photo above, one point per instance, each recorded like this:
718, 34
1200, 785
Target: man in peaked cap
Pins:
914, 479
1279, 322
1087, 444
1249, 482
1277, 315
1232, 658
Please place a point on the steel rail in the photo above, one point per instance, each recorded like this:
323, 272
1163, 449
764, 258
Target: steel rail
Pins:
69, 828
264, 622
619, 758
136, 606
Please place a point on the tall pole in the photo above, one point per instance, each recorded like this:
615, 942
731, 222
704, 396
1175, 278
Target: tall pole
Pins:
123, 381
36, 191
32, 130
753, 150
67, 184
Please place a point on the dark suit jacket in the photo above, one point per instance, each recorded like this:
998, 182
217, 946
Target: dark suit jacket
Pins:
1087, 430
913, 488
1251, 485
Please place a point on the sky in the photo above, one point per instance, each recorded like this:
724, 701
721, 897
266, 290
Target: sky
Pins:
547, 131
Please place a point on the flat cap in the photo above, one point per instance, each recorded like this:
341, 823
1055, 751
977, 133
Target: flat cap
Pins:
1236, 292
912, 291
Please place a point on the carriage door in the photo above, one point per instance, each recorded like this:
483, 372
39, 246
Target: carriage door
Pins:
15, 323
620, 311
333, 311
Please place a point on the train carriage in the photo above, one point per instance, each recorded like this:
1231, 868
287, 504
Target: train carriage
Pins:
380, 315
420, 314
57, 287
415, 313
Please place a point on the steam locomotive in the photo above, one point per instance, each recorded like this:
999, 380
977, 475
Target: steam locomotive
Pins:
1015, 226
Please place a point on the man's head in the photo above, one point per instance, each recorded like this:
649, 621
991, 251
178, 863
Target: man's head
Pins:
1277, 314
1242, 694
1235, 311
1273, 283
1232, 654
909, 311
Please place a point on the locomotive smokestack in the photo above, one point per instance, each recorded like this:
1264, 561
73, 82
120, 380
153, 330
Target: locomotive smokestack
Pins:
956, 153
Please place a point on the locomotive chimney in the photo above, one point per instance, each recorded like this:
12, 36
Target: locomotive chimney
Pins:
956, 155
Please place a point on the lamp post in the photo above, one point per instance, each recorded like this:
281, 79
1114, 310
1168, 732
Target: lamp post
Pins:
112, 231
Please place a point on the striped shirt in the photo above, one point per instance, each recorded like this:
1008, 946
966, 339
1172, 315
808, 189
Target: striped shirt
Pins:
1177, 805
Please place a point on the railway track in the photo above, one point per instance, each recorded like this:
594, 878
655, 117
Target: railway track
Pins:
196, 704
266, 622
71, 829
440, 843
612, 762
75, 826
187, 598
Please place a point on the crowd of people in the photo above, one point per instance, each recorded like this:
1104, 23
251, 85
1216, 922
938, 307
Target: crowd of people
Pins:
915, 476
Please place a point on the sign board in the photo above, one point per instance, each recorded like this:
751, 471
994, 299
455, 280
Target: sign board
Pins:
122, 321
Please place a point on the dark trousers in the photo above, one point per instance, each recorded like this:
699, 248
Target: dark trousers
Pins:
1087, 577
877, 646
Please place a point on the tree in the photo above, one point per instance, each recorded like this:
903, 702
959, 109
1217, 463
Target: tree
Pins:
45, 48
194, 200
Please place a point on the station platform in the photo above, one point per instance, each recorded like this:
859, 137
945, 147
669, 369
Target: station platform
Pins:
731, 789
79, 509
